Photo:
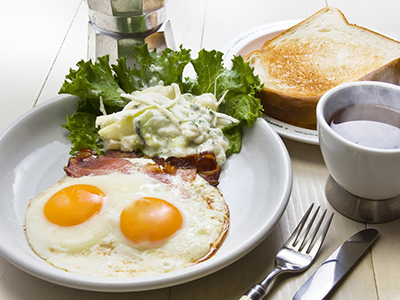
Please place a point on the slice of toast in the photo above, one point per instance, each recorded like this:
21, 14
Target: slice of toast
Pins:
302, 63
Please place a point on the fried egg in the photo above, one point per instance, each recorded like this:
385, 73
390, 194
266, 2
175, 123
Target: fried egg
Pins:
126, 225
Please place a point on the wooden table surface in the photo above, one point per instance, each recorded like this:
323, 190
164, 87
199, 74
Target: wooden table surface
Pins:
42, 39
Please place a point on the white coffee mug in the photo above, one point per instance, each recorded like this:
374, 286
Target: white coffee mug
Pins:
366, 172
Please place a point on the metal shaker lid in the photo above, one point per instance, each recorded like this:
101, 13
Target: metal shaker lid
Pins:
127, 16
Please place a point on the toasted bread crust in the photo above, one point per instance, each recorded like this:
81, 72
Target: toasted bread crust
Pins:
300, 111
296, 111
389, 73
302, 63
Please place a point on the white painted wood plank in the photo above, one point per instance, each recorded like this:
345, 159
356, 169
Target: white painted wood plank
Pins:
386, 260
309, 178
31, 35
227, 19
309, 170
74, 48
223, 20
381, 16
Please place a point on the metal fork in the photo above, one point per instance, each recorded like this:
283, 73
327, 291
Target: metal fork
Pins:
296, 255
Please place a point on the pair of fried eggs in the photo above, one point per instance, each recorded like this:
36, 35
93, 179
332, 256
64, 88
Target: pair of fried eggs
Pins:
126, 225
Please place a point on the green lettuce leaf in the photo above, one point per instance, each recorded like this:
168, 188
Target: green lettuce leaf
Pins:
82, 127
95, 81
92, 81
239, 84
150, 68
208, 66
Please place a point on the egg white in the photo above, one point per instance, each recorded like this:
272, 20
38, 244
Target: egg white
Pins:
98, 247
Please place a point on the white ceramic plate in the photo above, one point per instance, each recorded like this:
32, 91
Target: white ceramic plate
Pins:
252, 40
33, 150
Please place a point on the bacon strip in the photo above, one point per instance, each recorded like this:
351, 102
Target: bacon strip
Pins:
86, 162
204, 164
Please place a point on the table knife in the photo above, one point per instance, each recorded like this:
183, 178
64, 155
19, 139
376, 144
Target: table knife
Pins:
329, 274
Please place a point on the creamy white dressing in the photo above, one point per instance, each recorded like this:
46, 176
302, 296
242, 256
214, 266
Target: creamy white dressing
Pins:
162, 121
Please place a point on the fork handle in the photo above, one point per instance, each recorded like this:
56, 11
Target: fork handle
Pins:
258, 291
255, 293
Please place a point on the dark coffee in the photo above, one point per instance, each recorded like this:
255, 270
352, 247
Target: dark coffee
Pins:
369, 125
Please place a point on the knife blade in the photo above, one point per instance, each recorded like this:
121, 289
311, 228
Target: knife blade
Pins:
329, 274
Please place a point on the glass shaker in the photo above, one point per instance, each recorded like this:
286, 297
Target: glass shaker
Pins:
116, 26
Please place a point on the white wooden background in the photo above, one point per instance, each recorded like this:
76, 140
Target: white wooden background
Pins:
42, 39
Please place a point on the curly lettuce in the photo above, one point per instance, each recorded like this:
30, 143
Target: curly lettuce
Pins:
100, 85
240, 85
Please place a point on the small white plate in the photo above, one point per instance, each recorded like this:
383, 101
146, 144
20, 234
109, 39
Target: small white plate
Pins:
251, 40
256, 184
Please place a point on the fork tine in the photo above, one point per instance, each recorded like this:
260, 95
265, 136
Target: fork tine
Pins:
307, 244
314, 248
292, 239
305, 236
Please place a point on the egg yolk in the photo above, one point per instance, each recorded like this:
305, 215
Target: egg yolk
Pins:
150, 219
73, 205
